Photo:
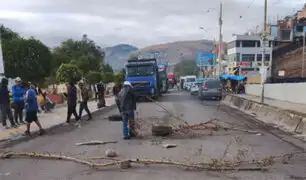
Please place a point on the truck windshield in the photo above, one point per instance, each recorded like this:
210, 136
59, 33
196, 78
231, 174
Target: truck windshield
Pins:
143, 70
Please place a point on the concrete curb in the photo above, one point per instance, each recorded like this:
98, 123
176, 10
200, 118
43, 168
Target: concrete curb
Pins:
15, 140
286, 120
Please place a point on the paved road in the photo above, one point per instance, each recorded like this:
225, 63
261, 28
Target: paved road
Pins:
190, 147
48, 120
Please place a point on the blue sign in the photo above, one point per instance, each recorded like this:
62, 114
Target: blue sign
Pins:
206, 59
304, 28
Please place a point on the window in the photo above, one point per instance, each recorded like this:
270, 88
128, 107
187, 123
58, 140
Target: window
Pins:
190, 80
259, 57
258, 43
237, 43
285, 34
247, 69
248, 57
237, 56
248, 43
267, 57
144, 70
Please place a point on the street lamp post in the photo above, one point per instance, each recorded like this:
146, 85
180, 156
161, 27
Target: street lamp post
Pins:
263, 45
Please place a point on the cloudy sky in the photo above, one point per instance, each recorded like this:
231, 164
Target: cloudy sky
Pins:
137, 22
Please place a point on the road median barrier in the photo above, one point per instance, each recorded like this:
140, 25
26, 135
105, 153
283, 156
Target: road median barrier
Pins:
287, 120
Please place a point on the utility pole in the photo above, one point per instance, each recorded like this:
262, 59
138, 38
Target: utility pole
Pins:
263, 45
220, 41
303, 53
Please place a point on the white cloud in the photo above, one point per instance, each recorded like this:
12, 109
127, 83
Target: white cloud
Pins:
137, 22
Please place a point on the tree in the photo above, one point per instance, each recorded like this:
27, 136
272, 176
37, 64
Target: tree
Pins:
7, 34
107, 68
133, 56
119, 77
67, 73
27, 58
84, 53
186, 67
93, 77
107, 77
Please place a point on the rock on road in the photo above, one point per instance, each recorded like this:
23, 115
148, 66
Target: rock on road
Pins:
190, 148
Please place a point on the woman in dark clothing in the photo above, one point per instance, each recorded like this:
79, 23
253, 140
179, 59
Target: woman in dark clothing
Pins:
116, 90
71, 102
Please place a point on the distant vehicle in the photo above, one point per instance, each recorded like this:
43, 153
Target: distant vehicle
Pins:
196, 86
171, 79
189, 81
144, 77
182, 81
210, 89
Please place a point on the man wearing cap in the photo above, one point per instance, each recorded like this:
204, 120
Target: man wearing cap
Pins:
83, 97
127, 104
18, 93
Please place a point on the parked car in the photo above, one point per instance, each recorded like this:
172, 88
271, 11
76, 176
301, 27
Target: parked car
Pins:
195, 88
210, 89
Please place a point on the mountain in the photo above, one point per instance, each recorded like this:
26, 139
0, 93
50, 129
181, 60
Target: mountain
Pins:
172, 52
176, 51
116, 56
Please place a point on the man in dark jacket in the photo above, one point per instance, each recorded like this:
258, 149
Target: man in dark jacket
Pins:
71, 102
101, 91
5, 106
127, 104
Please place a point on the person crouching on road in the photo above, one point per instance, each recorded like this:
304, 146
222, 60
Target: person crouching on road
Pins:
71, 102
83, 97
127, 103
31, 107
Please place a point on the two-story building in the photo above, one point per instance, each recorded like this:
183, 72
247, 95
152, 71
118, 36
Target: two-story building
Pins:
245, 53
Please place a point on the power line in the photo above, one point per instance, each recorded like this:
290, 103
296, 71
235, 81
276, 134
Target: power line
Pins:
251, 3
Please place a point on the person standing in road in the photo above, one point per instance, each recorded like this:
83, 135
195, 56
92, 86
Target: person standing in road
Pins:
83, 97
127, 103
101, 91
31, 107
71, 102
18, 93
5, 105
116, 89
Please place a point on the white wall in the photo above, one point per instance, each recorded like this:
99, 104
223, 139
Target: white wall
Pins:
292, 92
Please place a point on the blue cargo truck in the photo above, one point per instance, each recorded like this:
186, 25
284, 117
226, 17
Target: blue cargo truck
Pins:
144, 77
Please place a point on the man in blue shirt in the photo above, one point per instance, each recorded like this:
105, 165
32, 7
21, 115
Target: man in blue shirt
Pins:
31, 107
18, 100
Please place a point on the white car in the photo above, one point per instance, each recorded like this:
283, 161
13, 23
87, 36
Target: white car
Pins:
195, 88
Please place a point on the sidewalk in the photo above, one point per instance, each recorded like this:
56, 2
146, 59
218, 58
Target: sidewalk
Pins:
285, 105
55, 118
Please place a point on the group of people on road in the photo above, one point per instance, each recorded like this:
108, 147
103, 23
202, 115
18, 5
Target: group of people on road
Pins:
24, 97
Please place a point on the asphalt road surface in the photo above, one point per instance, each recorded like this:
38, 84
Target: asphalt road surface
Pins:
192, 147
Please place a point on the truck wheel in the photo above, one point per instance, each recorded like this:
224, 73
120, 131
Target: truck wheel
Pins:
161, 130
